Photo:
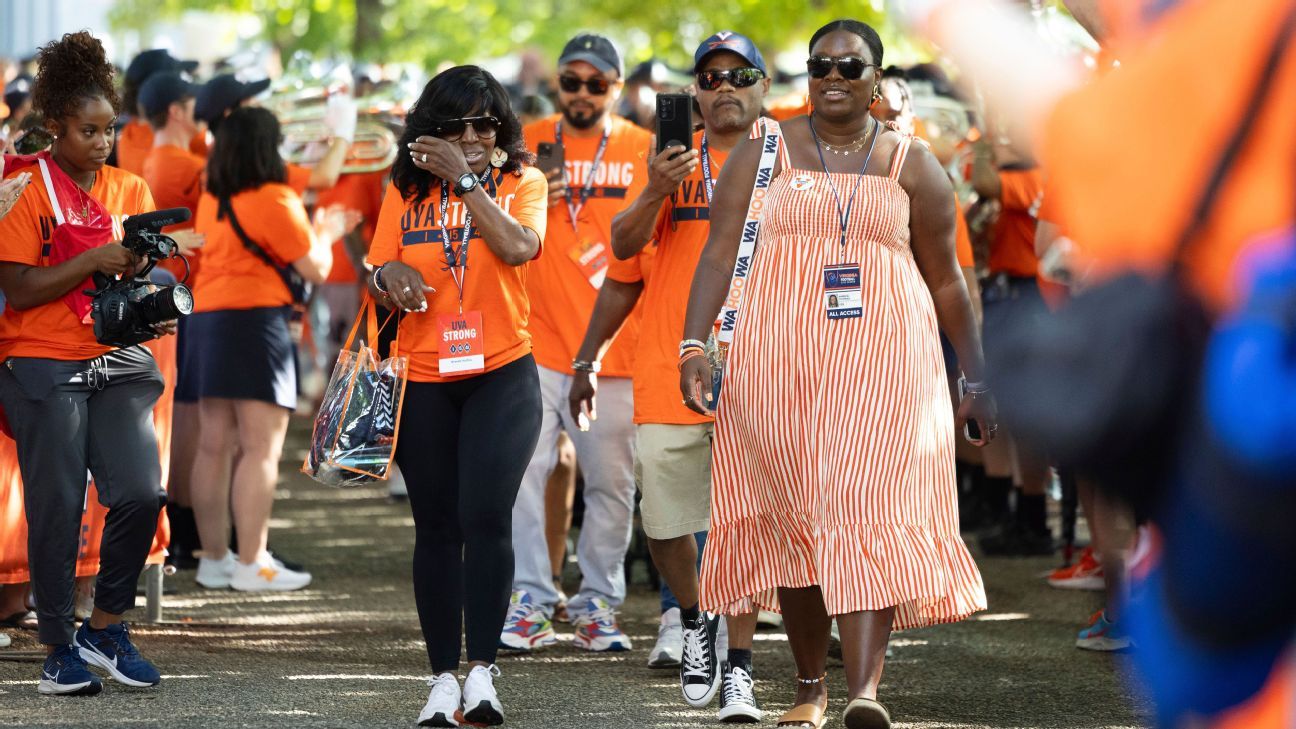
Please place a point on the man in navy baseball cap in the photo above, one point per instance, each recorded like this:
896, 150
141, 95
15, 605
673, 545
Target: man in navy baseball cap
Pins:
727, 40
594, 49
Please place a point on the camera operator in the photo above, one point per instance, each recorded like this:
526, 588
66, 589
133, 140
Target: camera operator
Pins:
72, 403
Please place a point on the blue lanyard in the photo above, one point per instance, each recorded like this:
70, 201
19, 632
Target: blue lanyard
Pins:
457, 260
574, 209
708, 183
844, 214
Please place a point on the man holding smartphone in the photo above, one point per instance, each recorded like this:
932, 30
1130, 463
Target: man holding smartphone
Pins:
674, 443
604, 169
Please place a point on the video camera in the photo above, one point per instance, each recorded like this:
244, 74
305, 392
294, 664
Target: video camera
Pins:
125, 310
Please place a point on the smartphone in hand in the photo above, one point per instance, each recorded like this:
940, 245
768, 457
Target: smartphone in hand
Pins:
674, 121
549, 157
971, 428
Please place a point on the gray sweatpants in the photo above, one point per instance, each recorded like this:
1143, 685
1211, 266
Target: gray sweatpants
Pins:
68, 417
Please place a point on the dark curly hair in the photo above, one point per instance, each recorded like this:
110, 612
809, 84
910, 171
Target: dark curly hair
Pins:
70, 71
863, 30
458, 92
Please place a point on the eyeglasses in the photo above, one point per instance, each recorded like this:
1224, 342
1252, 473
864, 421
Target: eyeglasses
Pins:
850, 67
597, 85
452, 130
741, 78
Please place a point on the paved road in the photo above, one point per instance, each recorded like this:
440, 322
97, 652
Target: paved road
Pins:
347, 652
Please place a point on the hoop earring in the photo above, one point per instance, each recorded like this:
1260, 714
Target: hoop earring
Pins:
498, 158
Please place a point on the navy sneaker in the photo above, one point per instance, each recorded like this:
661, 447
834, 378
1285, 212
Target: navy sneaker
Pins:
66, 674
111, 650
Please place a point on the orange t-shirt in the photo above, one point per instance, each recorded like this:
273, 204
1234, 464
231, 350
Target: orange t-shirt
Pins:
135, 141
962, 236
790, 106
1131, 159
175, 177
410, 232
51, 330
362, 193
298, 178
1012, 249
232, 277
666, 267
562, 297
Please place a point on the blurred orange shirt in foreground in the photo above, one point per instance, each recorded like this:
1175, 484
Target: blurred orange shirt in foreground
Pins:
1132, 151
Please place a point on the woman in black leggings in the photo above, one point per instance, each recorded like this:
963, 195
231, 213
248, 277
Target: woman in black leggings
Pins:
463, 215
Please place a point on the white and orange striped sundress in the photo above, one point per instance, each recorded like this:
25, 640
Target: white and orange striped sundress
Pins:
834, 450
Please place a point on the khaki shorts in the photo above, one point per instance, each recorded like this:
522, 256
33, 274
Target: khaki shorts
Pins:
673, 468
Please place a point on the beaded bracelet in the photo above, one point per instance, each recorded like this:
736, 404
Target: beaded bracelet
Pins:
688, 344
690, 354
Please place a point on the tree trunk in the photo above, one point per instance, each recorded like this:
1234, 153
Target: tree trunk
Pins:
367, 45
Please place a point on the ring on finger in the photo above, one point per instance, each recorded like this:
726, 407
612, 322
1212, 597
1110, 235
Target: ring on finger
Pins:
424, 158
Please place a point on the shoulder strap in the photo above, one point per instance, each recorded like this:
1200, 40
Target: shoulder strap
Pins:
1206, 203
771, 145
49, 190
901, 154
297, 287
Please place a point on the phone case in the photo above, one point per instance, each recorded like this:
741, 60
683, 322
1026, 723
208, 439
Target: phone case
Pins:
674, 120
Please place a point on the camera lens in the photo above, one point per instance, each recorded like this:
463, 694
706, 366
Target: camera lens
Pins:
166, 303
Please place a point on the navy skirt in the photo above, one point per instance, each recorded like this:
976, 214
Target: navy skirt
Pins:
240, 354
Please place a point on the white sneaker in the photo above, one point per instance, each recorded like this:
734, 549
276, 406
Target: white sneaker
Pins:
481, 704
442, 707
267, 575
769, 620
396, 483
215, 574
670, 641
5, 640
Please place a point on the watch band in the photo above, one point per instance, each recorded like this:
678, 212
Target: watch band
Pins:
466, 183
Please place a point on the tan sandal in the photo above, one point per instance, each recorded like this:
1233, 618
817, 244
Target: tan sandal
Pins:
806, 715
866, 714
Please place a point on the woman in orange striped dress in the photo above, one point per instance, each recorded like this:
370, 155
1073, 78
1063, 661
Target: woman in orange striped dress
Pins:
834, 489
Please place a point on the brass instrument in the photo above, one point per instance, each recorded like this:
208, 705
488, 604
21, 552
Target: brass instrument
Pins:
305, 136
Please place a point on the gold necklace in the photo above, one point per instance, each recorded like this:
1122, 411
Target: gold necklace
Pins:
855, 146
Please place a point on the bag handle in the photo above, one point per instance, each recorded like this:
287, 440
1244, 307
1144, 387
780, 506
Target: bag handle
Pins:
1206, 203
368, 314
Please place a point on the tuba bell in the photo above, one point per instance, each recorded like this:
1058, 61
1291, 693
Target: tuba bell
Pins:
306, 136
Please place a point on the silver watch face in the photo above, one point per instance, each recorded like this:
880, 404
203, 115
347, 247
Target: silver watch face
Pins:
467, 181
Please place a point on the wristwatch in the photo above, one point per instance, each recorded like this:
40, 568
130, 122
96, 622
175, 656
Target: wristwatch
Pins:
466, 183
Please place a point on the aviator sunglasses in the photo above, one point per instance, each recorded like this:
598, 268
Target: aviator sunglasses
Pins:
741, 78
452, 130
850, 67
597, 85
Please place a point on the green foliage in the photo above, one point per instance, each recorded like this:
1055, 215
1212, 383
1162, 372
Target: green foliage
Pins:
435, 31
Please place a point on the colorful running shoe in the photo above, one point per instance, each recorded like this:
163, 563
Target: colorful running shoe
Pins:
596, 627
526, 627
1085, 574
1103, 635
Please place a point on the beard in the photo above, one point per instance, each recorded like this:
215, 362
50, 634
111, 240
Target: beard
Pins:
584, 121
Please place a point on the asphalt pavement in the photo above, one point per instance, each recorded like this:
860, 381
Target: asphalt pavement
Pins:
347, 652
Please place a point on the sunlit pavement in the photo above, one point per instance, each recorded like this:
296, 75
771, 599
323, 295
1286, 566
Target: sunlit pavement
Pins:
347, 651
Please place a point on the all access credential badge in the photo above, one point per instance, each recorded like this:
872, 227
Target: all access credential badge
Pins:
463, 344
843, 298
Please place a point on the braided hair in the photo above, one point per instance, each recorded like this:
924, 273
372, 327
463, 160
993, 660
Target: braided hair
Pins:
70, 71
863, 30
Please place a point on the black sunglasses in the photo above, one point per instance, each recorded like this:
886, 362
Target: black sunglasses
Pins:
850, 67
452, 130
597, 85
741, 78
